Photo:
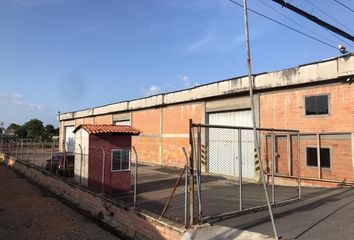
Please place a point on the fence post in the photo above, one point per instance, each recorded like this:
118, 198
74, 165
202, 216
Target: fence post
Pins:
288, 136
103, 166
21, 149
51, 157
186, 222
27, 155
42, 156
319, 156
135, 176
240, 166
299, 164
199, 166
191, 175
273, 167
16, 150
34, 154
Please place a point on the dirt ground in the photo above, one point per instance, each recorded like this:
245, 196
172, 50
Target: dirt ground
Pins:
30, 212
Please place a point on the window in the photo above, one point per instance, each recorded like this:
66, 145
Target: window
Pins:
120, 159
122, 122
325, 155
316, 105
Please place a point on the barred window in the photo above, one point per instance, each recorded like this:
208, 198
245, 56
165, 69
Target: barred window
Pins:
120, 159
316, 105
325, 157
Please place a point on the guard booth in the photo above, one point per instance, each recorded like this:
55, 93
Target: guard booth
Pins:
103, 157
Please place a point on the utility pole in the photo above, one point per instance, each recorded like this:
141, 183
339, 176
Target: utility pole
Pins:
255, 135
315, 19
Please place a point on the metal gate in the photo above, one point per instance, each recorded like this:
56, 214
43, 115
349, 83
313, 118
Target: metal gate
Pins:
227, 169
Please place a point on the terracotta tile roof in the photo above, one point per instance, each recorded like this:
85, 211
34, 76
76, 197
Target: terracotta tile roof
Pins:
98, 129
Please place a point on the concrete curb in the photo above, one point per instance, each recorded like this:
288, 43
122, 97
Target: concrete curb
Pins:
222, 232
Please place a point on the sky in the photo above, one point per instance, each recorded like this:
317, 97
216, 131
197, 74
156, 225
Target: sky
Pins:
69, 55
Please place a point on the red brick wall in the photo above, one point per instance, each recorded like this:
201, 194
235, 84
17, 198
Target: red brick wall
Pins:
341, 164
281, 154
176, 118
147, 148
286, 109
174, 134
104, 119
176, 121
114, 181
147, 121
167, 140
148, 145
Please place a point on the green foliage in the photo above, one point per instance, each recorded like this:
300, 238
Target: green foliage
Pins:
49, 129
35, 129
13, 126
21, 132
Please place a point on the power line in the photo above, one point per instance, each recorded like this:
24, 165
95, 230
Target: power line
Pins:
328, 15
284, 25
315, 19
293, 21
308, 29
345, 6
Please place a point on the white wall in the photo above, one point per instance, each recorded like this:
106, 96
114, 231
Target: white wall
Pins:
81, 156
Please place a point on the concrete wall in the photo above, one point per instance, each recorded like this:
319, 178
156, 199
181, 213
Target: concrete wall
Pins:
128, 222
340, 67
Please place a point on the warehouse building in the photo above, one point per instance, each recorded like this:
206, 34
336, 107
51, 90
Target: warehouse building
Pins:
317, 99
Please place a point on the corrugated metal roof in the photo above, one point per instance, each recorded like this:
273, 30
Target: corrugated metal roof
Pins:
99, 129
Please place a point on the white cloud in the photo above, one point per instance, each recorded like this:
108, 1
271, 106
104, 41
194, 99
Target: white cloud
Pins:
200, 45
17, 99
187, 83
152, 90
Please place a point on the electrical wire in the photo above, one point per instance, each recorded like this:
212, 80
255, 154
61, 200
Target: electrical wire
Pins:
308, 29
345, 6
293, 21
328, 15
284, 25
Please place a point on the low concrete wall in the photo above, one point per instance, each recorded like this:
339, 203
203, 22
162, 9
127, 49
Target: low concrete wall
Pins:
128, 222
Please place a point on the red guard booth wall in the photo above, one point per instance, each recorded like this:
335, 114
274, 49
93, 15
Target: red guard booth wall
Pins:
102, 157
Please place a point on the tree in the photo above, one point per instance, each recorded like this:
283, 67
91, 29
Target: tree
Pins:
56, 132
21, 132
13, 126
49, 129
35, 129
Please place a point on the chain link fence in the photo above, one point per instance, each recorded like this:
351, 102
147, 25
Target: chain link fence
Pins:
146, 186
227, 169
36, 153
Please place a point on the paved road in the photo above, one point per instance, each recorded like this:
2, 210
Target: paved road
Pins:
325, 217
29, 212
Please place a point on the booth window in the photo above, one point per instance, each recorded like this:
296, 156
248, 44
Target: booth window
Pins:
120, 159
325, 157
316, 105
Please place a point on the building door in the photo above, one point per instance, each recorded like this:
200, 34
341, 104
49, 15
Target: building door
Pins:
223, 144
69, 138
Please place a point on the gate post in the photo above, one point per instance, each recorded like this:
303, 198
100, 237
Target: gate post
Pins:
273, 167
191, 176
